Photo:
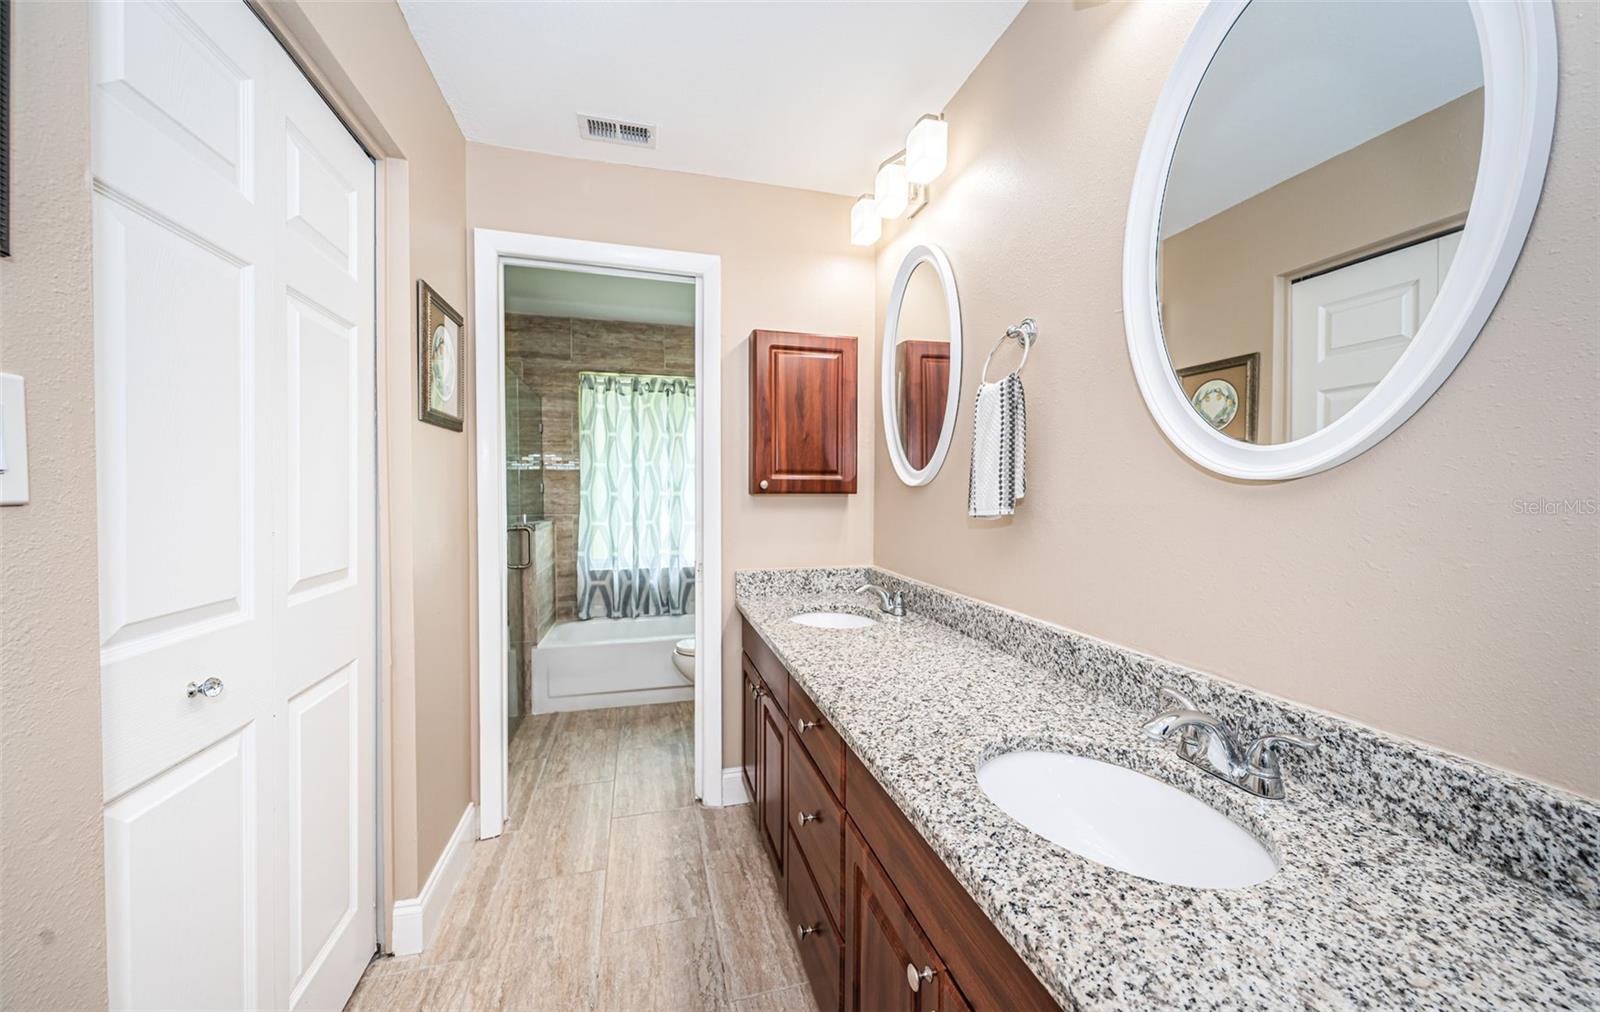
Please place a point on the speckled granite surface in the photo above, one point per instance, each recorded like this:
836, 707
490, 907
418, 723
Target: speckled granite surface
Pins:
1401, 900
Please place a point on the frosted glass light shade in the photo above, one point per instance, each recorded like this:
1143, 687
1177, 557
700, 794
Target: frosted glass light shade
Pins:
865, 225
927, 146
891, 190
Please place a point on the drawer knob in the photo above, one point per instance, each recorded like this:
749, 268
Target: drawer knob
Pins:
210, 688
804, 931
809, 725
763, 484
806, 817
915, 977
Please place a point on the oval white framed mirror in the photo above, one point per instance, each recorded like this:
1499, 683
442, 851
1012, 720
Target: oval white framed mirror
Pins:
1292, 131
921, 365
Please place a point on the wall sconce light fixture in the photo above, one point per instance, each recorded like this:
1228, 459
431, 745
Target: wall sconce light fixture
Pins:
927, 148
865, 225
901, 185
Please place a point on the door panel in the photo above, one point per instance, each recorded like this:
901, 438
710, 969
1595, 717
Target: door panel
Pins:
771, 767
234, 302
1349, 327
882, 940
325, 835
183, 906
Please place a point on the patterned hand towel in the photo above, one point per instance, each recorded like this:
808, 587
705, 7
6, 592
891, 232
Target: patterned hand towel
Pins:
999, 437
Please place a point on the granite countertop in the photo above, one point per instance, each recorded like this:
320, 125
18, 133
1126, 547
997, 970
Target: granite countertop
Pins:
1360, 915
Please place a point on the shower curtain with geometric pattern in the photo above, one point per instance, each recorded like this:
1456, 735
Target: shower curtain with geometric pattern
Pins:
636, 549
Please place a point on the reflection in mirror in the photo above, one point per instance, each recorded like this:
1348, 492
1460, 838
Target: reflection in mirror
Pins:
921, 366
1315, 201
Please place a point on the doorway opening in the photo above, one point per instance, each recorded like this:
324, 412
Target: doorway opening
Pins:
598, 447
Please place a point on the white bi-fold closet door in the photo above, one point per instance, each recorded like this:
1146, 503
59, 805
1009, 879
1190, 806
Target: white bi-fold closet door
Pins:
1348, 327
234, 386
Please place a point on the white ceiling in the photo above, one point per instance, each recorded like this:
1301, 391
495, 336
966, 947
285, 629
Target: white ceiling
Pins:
1295, 84
591, 295
805, 94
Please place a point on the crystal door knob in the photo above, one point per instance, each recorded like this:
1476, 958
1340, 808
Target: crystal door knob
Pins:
209, 688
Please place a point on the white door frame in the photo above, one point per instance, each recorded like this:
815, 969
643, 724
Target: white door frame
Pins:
492, 248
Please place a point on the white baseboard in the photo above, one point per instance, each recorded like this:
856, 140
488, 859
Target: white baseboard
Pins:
416, 920
733, 789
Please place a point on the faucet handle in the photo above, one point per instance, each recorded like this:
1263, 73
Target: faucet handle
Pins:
1177, 699
1263, 752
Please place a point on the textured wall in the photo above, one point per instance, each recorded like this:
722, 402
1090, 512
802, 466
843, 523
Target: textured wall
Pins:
1405, 589
786, 265
52, 895
548, 352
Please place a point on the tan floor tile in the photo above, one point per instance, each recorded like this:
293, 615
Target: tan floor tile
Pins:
520, 781
434, 989
584, 750
655, 872
567, 831
659, 724
732, 827
533, 738
545, 945
789, 999
461, 930
756, 936
654, 778
663, 967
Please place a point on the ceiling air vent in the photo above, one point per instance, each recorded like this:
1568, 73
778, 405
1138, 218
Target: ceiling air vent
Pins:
615, 131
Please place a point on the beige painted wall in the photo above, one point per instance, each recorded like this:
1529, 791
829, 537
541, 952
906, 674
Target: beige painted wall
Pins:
1404, 588
52, 896
389, 86
1219, 276
786, 265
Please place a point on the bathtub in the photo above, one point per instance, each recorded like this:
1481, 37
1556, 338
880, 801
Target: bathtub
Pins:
610, 662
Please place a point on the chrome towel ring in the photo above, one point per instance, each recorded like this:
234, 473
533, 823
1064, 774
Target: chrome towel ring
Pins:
1024, 333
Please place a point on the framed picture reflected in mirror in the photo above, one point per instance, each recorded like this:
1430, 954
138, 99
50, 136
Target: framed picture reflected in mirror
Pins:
1225, 393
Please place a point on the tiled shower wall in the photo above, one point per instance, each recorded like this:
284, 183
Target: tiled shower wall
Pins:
548, 352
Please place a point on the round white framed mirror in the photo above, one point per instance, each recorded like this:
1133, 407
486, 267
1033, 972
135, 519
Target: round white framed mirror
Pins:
1330, 200
921, 364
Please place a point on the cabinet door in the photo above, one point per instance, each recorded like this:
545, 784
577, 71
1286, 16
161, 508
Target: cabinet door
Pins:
771, 776
888, 962
749, 730
802, 413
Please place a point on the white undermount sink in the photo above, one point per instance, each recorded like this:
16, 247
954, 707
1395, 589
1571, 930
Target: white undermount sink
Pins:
1126, 820
833, 620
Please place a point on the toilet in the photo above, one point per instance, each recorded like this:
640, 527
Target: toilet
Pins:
683, 657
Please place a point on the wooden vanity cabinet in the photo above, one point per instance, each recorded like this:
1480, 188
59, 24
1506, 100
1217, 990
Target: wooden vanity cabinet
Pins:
865, 895
802, 413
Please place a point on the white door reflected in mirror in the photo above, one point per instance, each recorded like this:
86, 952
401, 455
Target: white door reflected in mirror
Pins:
921, 365
1330, 200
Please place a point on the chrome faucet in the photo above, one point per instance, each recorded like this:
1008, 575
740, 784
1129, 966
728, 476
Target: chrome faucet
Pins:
894, 604
1210, 744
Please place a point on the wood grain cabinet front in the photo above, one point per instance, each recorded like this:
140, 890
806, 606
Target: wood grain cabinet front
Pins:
802, 413
889, 964
881, 922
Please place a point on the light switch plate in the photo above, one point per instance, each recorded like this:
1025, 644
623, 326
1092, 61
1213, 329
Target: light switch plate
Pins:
13, 441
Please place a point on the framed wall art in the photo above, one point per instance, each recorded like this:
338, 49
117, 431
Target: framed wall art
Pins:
1225, 393
441, 360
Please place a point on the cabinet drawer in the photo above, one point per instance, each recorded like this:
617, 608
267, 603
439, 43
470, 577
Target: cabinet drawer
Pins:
821, 948
767, 665
820, 739
816, 824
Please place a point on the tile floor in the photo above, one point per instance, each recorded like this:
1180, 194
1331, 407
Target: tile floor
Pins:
611, 890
